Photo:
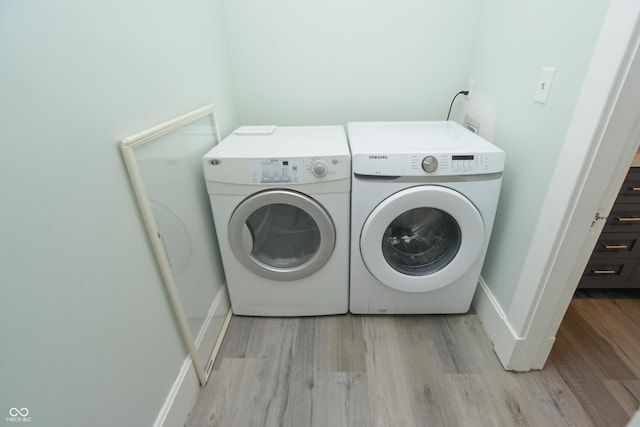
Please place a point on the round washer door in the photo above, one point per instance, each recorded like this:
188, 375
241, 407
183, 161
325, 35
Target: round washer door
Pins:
281, 235
422, 238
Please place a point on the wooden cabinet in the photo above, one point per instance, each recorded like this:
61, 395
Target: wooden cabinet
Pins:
615, 261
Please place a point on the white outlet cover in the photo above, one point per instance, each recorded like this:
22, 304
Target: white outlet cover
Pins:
544, 84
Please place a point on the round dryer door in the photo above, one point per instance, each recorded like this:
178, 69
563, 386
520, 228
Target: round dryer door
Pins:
422, 238
281, 235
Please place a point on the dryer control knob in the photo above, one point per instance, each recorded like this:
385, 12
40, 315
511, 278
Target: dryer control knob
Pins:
319, 168
429, 164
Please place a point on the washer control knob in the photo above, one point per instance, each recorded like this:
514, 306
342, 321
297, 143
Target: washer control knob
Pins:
429, 164
319, 168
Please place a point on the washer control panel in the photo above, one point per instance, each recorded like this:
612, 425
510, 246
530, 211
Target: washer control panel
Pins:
292, 170
429, 164
453, 164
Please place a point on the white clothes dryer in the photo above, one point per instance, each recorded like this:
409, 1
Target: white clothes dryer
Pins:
424, 198
280, 200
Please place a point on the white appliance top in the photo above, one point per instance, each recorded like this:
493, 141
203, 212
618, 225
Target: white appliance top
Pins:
278, 141
421, 148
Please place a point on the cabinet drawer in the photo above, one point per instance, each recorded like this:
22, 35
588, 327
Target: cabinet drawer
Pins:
623, 218
617, 245
633, 174
629, 192
607, 270
630, 189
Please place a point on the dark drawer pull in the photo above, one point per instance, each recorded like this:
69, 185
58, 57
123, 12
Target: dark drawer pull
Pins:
619, 246
628, 219
603, 271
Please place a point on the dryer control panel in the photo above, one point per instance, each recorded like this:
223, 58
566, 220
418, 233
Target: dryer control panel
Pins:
293, 170
271, 171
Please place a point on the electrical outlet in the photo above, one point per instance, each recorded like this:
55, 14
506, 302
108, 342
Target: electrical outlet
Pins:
544, 85
469, 88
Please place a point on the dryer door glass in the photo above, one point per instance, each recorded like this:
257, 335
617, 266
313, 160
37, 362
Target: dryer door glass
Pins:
283, 236
421, 241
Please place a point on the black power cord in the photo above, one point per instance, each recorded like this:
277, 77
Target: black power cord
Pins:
462, 92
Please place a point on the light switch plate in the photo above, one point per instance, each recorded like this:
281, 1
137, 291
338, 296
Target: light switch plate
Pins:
544, 85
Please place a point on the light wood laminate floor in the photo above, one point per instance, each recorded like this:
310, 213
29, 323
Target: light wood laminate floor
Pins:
437, 370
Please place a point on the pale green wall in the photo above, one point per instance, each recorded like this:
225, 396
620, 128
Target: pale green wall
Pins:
87, 335
303, 62
514, 41
333, 62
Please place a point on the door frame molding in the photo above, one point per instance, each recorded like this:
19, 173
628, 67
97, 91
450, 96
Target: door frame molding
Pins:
603, 135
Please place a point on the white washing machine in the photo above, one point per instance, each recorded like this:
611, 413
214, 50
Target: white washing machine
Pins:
424, 198
280, 200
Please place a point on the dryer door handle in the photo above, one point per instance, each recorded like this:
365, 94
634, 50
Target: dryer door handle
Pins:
247, 239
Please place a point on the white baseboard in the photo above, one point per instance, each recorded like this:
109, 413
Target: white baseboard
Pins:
185, 389
506, 342
181, 398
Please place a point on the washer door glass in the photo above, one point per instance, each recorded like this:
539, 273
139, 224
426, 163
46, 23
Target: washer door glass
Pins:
421, 241
281, 235
422, 238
